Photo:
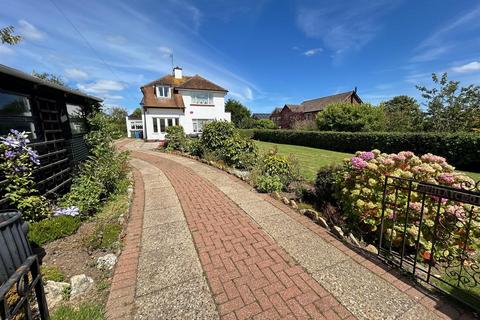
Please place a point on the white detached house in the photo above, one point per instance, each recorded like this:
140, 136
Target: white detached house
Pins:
189, 101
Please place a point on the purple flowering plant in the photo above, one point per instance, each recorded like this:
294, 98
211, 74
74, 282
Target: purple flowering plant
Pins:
17, 162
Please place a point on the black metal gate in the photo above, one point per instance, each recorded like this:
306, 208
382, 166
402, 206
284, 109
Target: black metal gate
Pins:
433, 233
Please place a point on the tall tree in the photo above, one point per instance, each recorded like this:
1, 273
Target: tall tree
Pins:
7, 36
50, 77
351, 117
238, 110
137, 112
403, 114
118, 115
451, 107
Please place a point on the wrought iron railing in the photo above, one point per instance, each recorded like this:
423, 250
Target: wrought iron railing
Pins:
433, 233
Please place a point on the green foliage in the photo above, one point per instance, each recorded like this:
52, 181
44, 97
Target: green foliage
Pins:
246, 133
56, 79
239, 152
17, 162
85, 311
305, 125
461, 149
195, 147
176, 138
265, 124
117, 116
451, 108
52, 273
216, 133
325, 184
403, 114
101, 175
268, 184
238, 111
51, 229
106, 236
351, 117
7, 36
274, 165
137, 112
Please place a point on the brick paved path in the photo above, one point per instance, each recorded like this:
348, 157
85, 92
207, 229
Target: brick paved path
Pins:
260, 259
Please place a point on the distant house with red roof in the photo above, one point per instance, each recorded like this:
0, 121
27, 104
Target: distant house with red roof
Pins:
175, 99
307, 110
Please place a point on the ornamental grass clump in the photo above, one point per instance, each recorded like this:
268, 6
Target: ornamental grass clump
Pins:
360, 186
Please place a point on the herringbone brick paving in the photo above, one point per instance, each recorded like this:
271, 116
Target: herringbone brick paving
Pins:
249, 274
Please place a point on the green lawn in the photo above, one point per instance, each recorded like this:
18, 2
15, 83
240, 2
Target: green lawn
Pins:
311, 159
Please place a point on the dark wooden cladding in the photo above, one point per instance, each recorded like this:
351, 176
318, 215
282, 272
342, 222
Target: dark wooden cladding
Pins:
58, 133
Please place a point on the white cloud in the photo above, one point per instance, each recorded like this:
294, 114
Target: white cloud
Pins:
76, 74
312, 52
165, 51
343, 26
430, 54
29, 31
5, 50
102, 86
248, 93
469, 67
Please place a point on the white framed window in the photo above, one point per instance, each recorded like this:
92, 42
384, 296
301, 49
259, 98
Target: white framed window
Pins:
198, 124
203, 98
163, 123
162, 91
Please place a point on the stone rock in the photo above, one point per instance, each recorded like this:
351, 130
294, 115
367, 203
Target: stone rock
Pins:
323, 223
276, 195
353, 239
293, 204
302, 211
338, 231
107, 262
312, 214
286, 201
80, 284
371, 248
54, 292
121, 219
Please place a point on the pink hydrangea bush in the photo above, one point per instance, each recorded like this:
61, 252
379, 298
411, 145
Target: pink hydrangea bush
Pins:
360, 194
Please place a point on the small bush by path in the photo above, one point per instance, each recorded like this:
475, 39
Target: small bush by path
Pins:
52, 229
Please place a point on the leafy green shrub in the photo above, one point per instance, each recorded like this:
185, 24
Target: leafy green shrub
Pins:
51, 229
239, 152
460, 149
351, 117
216, 133
271, 164
265, 124
176, 139
360, 194
268, 184
106, 235
194, 147
325, 184
246, 133
51, 273
102, 174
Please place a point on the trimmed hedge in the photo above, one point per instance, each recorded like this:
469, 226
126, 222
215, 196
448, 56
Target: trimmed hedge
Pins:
460, 149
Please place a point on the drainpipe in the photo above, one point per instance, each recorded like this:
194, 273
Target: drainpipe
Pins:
144, 125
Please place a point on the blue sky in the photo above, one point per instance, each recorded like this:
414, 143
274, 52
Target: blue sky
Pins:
266, 53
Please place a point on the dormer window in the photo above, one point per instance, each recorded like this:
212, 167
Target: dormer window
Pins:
162, 91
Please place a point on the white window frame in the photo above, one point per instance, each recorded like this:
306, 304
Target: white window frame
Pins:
202, 101
158, 120
198, 124
162, 91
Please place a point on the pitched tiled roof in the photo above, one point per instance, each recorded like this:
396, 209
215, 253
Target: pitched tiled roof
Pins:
260, 116
186, 82
319, 104
276, 111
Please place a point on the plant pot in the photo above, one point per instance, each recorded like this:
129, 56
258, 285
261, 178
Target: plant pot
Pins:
14, 246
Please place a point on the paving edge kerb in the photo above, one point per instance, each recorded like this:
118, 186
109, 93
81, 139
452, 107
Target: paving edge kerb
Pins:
120, 303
